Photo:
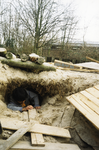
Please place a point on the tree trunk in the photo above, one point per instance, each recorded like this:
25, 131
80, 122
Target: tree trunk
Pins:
27, 65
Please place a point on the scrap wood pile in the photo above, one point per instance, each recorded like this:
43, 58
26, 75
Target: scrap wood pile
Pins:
81, 67
87, 103
33, 62
36, 130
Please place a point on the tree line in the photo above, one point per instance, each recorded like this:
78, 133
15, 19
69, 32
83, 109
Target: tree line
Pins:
29, 25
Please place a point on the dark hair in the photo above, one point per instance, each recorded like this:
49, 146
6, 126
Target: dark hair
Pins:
19, 94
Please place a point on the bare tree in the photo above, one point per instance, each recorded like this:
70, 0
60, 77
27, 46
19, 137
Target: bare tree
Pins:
38, 22
40, 18
68, 27
3, 10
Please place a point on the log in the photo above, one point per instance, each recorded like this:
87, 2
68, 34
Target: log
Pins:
40, 60
15, 137
10, 55
33, 57
27, 65
3, 51
36, 58
24, 57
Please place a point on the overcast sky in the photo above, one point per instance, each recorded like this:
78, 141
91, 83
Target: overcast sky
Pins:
88, 13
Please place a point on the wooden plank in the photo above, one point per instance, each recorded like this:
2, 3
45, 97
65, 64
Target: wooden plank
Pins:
66, 65
92, 59
32, 115
40, 139
96, 87
88, 102
78, 98
33, 139
25, 145
36, 128
36, 138
25, 116
90, 97
49, 130
79, 70
84, 111
93, 92
15, 137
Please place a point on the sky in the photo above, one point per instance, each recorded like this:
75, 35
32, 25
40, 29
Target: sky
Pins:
88, 13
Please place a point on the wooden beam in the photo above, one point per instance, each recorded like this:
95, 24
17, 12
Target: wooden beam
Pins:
66, 65
15, 137
79, 70
92, 59
25, 145
36, 128
36, 138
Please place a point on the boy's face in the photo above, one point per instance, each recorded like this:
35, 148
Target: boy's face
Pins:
22, 103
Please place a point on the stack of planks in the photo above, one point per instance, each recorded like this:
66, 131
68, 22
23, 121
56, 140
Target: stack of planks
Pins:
36, 130
87, 102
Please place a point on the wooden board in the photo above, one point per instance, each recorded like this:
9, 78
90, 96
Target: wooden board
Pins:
24, 116
25, 145
92, 59
90, 97
87, 103
79, 70
97, 87
15, 137
66, 65
36, 128
93, 92
36, 138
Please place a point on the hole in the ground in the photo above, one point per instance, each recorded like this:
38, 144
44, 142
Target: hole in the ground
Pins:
55, 110
39, 87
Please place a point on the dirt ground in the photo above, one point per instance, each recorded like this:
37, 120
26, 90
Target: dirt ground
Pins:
52, 87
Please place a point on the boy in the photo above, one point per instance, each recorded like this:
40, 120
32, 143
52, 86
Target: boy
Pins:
23, 100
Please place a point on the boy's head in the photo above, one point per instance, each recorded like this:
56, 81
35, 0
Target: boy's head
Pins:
19, 94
